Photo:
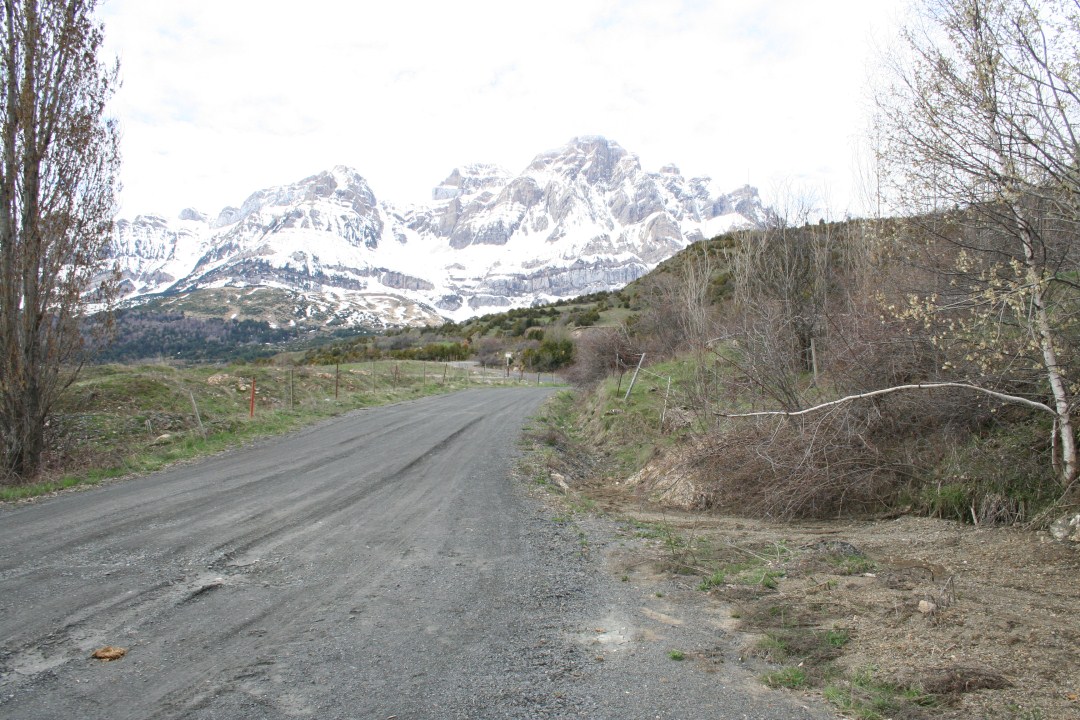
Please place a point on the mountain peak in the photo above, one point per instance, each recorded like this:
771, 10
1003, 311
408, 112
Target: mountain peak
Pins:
594, 143
340, 183
328, 182
470, 179
594, 157
191, 214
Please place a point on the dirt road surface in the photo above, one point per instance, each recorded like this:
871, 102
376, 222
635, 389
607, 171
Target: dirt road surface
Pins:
384, 565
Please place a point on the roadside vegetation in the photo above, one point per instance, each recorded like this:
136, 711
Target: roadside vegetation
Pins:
883, 615
950, 451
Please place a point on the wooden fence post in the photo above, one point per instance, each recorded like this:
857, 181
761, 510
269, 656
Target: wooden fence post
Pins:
198, 419
663, 413
634, 378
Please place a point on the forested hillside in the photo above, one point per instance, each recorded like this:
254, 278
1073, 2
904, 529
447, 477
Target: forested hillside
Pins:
140, 334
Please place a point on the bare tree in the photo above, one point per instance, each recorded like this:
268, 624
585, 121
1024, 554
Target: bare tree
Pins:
57, 189
695, 305
978, 129
599, 352
788, 279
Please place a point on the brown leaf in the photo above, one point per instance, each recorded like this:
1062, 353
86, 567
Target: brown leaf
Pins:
109, 653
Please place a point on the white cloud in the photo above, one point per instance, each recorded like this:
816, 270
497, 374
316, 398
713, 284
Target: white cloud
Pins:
221, 98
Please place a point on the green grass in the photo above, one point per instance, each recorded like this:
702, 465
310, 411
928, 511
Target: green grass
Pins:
774, 646
752, 571
23, 492
850, 564
628, 433
837, 638
813, 648
580, 504
865, 696
717, 579
788, 677
1005, 476
650, 531
615, 316
761, 576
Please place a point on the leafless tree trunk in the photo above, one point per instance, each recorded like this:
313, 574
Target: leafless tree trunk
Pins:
57, 190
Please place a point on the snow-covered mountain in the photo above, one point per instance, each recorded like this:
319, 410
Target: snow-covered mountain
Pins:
579, 219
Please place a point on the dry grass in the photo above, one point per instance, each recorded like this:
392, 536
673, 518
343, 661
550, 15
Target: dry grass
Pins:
844, 607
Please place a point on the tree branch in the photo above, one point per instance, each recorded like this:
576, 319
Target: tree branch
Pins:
898, 388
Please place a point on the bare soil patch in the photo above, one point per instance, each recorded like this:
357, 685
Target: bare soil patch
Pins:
900, 618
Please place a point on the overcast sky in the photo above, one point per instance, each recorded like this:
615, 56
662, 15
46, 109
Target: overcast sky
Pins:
224, 97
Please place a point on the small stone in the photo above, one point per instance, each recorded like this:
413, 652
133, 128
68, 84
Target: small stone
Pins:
836, 547
560, 480
1067, 529
926, 607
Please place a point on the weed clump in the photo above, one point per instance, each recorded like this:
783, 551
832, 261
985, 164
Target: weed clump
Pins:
792, 678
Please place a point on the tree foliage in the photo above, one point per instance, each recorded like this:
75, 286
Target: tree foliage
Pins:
57, 187
552, 354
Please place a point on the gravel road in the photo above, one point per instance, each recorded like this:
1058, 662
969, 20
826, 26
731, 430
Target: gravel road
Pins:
383, 565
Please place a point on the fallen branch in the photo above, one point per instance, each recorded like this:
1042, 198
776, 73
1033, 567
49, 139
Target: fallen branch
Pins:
885, 391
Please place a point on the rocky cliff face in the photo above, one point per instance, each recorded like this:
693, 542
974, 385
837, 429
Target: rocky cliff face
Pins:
579, 219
